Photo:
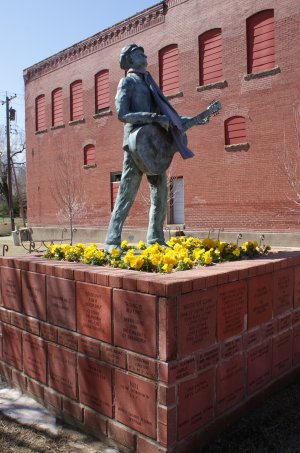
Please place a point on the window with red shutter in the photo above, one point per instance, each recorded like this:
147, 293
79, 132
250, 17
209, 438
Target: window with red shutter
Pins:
40, 113
89, 154
169, 69
102, 90
235, 130
57, 107
210, 56
76, 96
261, 41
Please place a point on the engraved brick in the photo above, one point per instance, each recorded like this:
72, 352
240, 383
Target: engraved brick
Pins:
53, 398
61, 309
17, 320
62, 370
167, 425
167, 328
283, 290
72, 408
36, 389
135, 403
230, 383
208, 358
297, 287
12, 346
121, 434
5, 315
89, 346
95, 383
284, 321
195, 403
231, 347
95, 422
296, 316
135, 322
35, 357
146, 446
231, 312
68, 339
252, 337
282, 353
49, 332
181, 369
259, 366
269, 329
260, 296
20, 380
32, 325
197, 320
11, 288
94, 311
113, 355
166, 395
141, 365
296, 344
34, 294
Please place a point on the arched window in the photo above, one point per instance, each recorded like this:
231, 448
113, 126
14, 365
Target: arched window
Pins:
76, 97
169, 69
210, 56
57, 107
40, 113
235, 130
89, 155
102, 100
261, 41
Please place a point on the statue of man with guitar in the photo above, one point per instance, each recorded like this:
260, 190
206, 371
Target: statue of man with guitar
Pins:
153, 132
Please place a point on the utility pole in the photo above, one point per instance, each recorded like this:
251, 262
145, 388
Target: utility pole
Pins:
9, 175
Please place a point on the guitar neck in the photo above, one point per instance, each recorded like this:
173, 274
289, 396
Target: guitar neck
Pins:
198, 119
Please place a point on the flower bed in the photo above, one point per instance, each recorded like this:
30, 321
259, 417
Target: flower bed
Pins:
183, 253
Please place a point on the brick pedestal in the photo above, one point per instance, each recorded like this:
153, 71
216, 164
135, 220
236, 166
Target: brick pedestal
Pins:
156, 363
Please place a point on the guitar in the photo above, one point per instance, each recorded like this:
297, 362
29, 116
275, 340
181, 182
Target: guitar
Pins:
152, 147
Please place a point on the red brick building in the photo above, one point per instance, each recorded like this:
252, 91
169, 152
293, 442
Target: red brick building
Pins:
244, 54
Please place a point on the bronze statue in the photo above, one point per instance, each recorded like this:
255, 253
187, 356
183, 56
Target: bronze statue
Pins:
153, 132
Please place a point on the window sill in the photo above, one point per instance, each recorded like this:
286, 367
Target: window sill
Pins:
74, 122
211, 86
237, 147
259, 74
103, 113
175, 95
87, 166
58, 126
42, 131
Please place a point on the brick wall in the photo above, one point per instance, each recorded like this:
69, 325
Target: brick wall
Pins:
235, 190
156, 363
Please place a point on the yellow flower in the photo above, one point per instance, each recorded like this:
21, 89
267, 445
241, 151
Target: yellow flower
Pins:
207, 258
236, 252
124, 245
115, 253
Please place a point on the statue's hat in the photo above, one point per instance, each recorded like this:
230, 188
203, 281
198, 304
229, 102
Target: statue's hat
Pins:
125, 52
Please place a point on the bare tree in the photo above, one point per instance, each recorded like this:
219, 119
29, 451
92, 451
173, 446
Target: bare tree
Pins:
68, 192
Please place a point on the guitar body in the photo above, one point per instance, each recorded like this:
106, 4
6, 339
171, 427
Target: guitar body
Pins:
152, 148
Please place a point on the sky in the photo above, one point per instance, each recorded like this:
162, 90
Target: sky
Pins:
33, 30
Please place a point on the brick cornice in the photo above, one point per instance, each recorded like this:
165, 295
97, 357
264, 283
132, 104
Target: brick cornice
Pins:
148, 18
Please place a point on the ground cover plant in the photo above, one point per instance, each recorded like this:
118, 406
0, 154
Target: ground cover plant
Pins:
182, 253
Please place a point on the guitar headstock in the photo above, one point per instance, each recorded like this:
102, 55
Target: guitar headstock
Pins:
214, 108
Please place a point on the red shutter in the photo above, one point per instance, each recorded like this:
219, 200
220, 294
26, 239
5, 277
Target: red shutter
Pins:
89, 154
261, 41
114, 192
40, 113
235, 130
57, 107
76, 100
169, 69
210, 56
102, 90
